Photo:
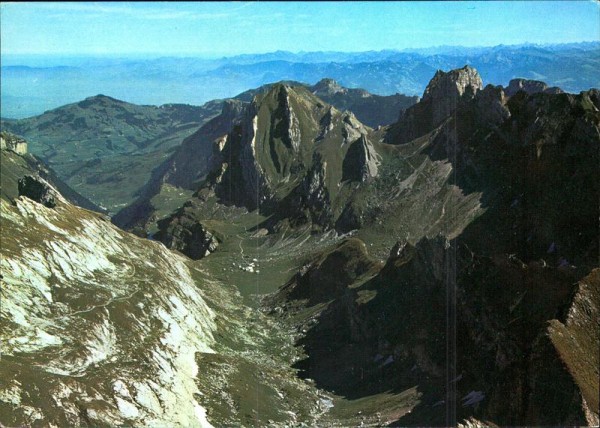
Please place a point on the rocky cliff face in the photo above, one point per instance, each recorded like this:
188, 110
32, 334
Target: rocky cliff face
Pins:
441, 97
576, 340
13, 143
545, 151
493, 282
361, 161
184, 232
446, 89
292, 153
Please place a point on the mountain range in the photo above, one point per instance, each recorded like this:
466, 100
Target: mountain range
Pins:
32, 85
106, 149
316, 255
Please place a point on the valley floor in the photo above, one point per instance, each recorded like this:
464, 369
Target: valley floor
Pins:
251, 379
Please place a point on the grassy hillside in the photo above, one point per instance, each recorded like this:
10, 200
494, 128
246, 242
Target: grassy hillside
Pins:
106, 149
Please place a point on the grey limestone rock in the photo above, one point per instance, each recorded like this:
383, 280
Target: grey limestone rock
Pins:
446, 88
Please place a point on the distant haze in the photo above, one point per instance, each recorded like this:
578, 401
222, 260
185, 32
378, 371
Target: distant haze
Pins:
155, 53
31, 84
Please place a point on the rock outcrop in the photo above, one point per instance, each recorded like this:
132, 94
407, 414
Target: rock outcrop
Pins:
446, 89
361, 161
326, 87
491, 108
444, 93
39, 190
529, 87
352, 129
475, 423
577, 342
15, 167
184, 232
13, 143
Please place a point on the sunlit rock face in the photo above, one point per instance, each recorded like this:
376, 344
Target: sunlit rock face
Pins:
445, 90
577, 342
98, 327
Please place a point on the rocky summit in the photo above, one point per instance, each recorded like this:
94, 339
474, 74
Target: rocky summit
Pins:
297, 261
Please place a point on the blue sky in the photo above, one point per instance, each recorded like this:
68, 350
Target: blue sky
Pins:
222, 28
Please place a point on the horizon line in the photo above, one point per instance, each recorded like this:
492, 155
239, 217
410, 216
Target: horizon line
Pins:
227, 55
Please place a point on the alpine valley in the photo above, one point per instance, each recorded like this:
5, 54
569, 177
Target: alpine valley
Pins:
305, 255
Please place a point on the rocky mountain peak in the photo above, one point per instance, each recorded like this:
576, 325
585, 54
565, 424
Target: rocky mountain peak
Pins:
103, 97
271, 156
327, 86
453, 83
446, 88
440, 100
352, 129
293, 147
